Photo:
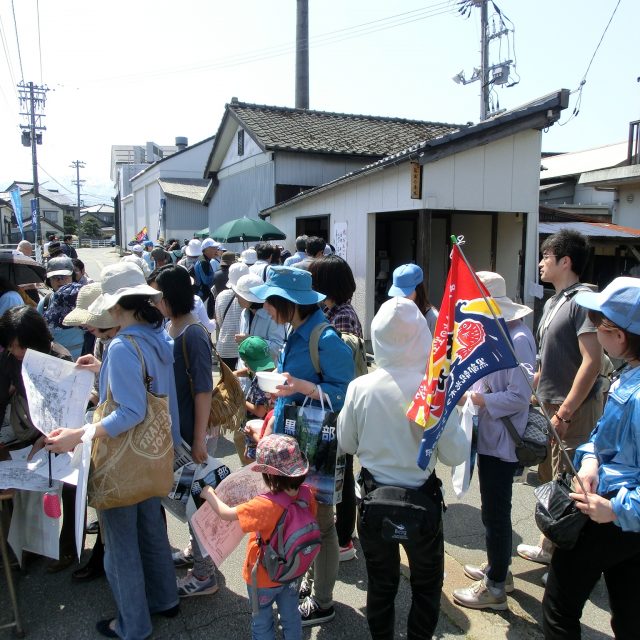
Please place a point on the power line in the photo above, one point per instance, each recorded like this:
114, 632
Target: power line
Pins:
6, 54
15, 24
325, 39
576, 109
39, 43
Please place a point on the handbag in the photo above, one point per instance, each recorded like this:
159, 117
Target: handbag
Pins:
315, 430
556, 513
401, 514
137, 464
227, 412
531, 448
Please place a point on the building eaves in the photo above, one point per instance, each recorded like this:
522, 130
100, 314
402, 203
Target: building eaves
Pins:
539, 113
185, 188
605, 230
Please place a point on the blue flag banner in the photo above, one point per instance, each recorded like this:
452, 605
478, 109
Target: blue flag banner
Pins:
467, 346
16, 200
34, 215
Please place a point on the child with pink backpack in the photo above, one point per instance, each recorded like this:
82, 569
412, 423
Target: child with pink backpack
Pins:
285, 537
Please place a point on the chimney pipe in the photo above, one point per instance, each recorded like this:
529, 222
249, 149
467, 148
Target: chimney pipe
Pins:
302, 54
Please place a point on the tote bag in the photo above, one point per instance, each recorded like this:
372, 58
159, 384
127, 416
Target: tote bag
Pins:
137, 464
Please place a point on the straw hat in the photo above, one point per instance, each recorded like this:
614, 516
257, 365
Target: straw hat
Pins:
81, 314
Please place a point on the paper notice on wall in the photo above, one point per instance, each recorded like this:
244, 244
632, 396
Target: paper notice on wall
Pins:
340, 239
57, 391
218, 537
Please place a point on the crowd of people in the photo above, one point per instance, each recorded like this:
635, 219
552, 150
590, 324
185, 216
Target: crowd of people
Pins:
159, 320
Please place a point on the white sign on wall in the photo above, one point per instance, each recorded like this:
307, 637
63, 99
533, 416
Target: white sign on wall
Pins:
340, 239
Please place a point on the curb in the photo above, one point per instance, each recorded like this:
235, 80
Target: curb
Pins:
513, 624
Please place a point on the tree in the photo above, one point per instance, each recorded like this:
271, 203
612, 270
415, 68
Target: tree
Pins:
90, 228
70, 225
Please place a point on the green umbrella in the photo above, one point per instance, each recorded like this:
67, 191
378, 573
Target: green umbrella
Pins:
247, 230
203, 233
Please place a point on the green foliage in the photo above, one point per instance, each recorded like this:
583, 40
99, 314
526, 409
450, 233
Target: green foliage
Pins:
70, 225
90, 228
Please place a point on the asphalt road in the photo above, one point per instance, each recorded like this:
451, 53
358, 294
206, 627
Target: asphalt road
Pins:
55, 608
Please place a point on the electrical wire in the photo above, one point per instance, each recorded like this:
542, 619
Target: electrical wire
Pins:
578, 90
325, 39
39, 42
15, 24
8, 59
93, 196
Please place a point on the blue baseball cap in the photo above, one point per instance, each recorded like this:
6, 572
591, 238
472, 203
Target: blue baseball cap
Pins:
405, 280
289, 283
619, 302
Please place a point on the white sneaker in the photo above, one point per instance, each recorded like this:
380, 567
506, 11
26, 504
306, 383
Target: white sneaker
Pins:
476, 572
545, 577
534, 553
479, 596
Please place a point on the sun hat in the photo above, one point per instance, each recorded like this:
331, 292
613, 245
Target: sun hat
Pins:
137, 248
119, 280
209, 243
236, 271
244, 285
496, 286
61, 304
194, 248
406, 278
619, 301
60, 266
228, 258
148, 243
289, 283
254, 350
81, 314
249, 256
279, 455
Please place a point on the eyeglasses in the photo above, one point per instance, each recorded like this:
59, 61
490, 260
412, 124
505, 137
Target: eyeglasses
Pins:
548, 256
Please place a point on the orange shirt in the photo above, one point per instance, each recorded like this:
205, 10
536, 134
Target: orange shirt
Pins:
260, 515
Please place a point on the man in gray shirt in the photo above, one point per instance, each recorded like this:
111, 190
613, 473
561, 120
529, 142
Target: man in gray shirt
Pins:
570, 358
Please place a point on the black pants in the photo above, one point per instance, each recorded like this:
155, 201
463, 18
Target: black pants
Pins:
230, 362
601, 549
496, 482
426, 563
346, 510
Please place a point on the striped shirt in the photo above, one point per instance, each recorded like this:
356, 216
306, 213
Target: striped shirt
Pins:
227, 307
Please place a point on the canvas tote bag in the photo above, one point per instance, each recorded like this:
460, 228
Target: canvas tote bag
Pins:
137, 464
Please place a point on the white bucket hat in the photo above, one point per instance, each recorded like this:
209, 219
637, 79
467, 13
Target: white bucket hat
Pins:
496, 286
81, 314
243, 287
249, 256
194, 248
119, 280
236, 271
137, 248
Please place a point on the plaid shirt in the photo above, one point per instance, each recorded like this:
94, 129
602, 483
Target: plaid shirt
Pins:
344, 318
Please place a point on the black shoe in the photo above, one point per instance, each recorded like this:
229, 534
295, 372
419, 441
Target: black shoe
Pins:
311, 614
87, 573
170, 613
93, 528
103, 627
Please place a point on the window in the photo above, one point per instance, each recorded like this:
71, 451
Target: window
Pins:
51, 216
241, 142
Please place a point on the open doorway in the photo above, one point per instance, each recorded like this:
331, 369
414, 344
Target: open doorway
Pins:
313, 226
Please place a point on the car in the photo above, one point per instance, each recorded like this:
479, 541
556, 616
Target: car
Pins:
112, 240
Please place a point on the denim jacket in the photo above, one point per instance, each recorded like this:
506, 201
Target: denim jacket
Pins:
615, 442
336, 364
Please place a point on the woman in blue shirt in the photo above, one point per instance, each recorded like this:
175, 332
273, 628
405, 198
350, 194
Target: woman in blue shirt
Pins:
609, 467
289, 298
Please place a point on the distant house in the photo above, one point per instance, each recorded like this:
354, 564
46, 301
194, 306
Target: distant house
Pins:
166, 196
480, 182
264, 155
53, 207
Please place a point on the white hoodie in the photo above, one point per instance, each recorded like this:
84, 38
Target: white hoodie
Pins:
373, 423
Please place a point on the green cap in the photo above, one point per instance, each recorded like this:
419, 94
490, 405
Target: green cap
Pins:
255, 352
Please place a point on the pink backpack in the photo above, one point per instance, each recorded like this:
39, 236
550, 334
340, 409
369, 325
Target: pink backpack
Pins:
294, 543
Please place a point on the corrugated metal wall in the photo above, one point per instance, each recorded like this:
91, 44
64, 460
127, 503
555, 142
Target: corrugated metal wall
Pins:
185, 214
314, 170
242, 194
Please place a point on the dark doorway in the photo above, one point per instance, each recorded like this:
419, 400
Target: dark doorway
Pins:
314, 226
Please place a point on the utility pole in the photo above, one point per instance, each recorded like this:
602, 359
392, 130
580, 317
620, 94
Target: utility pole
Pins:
77, 165
33, 98
302, 54
484, 61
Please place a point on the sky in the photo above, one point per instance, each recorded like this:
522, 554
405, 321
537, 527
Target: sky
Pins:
128, 72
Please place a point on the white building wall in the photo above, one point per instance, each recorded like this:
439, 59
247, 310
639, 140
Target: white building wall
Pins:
628, 213
502, 177
251, 149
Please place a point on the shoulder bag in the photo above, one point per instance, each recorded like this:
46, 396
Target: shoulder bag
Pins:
137, 464
531, 448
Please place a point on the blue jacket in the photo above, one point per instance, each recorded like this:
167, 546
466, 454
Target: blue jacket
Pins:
122, 369
336, 364
615, 442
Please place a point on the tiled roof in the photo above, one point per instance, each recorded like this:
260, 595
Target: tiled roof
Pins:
189, 188
281, 128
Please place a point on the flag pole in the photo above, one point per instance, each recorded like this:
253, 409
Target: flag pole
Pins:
457, 241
